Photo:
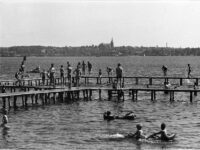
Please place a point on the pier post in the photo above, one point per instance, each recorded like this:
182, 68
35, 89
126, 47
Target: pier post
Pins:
197, 81
90, 91
171, 96
100, 94
153, 95
36, 98
181, 81
191, 96
15, 103
109, 94
136, 80
4, 102
32, 99
26, 99
9, 106
150, 81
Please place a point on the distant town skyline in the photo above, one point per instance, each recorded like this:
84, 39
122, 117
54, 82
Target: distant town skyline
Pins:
81, 23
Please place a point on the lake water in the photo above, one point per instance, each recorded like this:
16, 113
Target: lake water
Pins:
79, 125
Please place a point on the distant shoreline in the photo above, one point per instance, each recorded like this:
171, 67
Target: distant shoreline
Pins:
98, 51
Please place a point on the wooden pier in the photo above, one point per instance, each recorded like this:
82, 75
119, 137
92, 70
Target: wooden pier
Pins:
44, 97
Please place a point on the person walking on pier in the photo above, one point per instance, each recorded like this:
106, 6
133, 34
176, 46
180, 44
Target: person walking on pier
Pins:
89, 67
119, 74
189, 71
62, 72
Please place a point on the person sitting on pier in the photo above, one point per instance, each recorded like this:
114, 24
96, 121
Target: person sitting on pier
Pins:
114, 84
163, 134
4, 118
138, 134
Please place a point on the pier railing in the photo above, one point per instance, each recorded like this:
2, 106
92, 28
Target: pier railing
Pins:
137, 80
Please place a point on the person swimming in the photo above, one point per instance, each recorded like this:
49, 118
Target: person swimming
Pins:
138, 134
4, 118
163, 134
129, 116
107, 116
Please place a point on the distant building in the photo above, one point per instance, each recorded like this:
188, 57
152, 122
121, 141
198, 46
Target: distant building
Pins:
108, 46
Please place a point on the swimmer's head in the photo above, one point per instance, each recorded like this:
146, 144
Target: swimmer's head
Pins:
163, 126
4, 111
139, 126
119, 64
108, 113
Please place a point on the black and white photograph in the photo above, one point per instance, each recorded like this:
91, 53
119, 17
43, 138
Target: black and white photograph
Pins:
100, 74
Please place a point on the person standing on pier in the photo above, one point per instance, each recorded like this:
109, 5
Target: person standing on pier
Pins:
164, 69
83, 67
69, 74
100, 75
109, 72
119, 74
18, 78
43, 74
62, 72
77, 73
89, 67
189, 71
52, 71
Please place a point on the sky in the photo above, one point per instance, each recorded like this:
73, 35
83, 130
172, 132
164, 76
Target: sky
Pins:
91, 22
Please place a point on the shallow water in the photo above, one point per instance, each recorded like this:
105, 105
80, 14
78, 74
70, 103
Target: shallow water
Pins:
79, 125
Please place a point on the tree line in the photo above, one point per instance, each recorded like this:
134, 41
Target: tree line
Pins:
100, 50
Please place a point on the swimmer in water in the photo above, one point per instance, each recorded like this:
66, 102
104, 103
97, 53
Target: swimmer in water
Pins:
163, 134
107, 116
4, 118
129, 116
138, 134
